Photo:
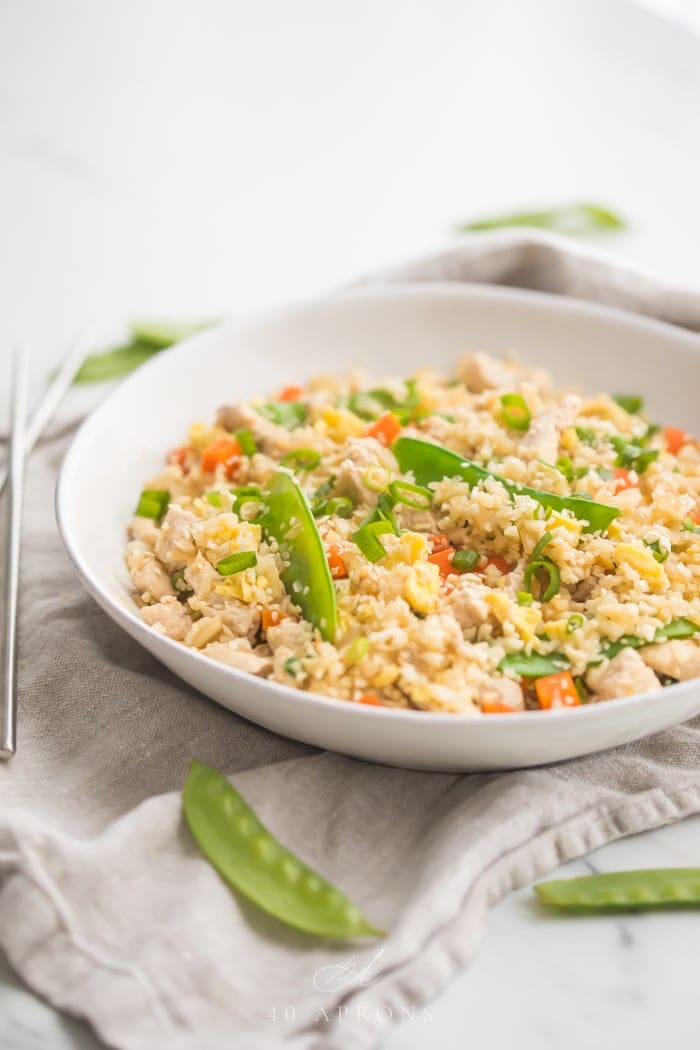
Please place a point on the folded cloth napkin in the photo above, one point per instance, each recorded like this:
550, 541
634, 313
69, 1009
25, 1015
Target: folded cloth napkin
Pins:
106, 906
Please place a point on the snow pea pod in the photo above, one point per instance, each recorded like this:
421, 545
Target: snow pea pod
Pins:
430, 463
624, 890
249, 858
307, 578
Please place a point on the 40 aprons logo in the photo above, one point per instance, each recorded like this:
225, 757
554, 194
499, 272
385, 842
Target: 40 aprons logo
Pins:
342, 977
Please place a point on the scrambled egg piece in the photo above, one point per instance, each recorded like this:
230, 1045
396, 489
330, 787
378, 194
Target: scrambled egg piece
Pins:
422, 586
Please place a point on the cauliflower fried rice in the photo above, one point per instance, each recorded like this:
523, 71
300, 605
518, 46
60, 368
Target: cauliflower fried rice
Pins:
478, 543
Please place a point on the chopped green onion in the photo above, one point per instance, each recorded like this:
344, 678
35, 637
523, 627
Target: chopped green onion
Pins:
376, 478
152, 503
524, 598
574, 622
180, 585
632, 456
292, 666
366, 539
535, 665
398, 490
341, 506
586, 435
370, 404
465, 561
246, 440
302, 459
357, 650
515, 412
689, 526
574, 219
660, 553
383, 512
581, 690
236, 563
289, 414
542, 542
632, 403
213, 497
545, 572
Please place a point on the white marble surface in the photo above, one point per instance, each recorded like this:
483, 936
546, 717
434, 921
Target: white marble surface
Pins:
220, 156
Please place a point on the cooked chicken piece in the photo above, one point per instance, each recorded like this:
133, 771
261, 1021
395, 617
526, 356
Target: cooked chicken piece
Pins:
175, 546
241, 619
503, 691
293, 635
145, 530
168, 617
679, 658
468, 605
233, 417
202, 577
239, 654
541, 441
149, 576
362, 454
624, 675
417, 520
270, 437
481, 372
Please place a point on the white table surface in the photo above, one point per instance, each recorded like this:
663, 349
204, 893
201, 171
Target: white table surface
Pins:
200, 159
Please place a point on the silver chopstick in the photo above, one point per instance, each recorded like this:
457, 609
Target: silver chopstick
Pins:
54, 393
16, 460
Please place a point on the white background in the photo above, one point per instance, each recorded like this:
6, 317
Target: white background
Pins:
215, 157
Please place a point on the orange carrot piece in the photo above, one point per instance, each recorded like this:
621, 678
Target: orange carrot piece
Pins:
179, 456
371, 700
291, 393
625, 479
675, 439
226, 451
557, 690
385, 429
497, 709
438, 542
271, 617
499, 563
336, 564
443, 560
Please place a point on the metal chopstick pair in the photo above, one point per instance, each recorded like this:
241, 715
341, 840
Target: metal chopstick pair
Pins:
23, 437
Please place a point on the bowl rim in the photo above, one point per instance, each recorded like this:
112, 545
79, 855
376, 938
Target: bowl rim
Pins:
120, 612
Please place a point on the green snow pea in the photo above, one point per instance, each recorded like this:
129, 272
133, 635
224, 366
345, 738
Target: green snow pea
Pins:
430, 463
534, 665
624, 890
307, 578
679, 628
251, 860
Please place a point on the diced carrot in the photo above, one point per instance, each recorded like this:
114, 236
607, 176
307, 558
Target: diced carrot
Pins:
438, 542
557, 690
695, 516
271, 617
443, 560
226, 451
499, 563
385, 429
497, 709
625, 479
291, 393
371, 700
179, 456
336, 563
675, 439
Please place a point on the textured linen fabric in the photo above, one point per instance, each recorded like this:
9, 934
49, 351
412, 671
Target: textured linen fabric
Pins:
106, 906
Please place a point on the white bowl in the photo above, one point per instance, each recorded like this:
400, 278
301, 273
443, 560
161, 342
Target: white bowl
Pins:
390, 331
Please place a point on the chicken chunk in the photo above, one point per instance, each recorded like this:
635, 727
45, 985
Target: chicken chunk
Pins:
148, 575
175, 545
468, 605
625, 675
169, 617
361, 454
239, 654
542, 439
270, 437
679, 658
144, 529
503, 691
481, 372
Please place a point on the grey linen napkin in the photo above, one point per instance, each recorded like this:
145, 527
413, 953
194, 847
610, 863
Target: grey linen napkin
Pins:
107, 908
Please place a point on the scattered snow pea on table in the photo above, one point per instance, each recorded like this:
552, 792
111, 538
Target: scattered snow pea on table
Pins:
307, 579
430, 463
251, 860
624, 890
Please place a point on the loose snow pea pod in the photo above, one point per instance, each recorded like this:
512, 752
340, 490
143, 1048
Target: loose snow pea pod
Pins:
430, 463
624, 890
307, 578
250, 859
534, 665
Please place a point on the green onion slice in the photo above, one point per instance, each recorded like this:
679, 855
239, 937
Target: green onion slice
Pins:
660, 553
357, 650
236, 563
545, 572
341, 506
366, 538
289, 414
301, 459
574, 622
515, 411
632, 403
152, 503
465, 561
245, 439
404, 492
